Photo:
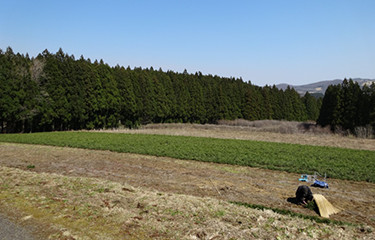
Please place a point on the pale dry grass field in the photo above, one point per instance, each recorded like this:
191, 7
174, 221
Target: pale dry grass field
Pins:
257, 133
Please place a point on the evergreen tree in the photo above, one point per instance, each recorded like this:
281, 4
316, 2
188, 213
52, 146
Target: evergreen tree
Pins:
350, 105
127, 98
267, 111
253, 107
371, 107
108, 97
196, 108
9, 104
312, 106
276, 103
182, 98
330, 113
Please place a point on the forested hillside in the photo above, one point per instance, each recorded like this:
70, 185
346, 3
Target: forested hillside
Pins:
58, 92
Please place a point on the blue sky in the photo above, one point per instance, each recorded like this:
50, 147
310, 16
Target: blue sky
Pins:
264, 41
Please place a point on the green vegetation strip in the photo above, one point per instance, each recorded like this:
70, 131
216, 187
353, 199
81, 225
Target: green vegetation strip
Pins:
338, 163
294, 214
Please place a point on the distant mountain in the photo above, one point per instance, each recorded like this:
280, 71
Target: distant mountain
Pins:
319, 88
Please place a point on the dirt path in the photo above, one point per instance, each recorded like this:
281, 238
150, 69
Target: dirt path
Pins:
11, 231
232, 183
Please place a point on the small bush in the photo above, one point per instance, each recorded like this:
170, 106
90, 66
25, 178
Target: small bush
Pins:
364, 132
312, 206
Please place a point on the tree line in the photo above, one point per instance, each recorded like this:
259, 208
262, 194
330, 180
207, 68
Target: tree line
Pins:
54, 92
348, 107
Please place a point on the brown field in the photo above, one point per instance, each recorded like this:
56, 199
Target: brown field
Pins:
81, 194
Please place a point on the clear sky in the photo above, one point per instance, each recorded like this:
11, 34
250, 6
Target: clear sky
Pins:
264, 41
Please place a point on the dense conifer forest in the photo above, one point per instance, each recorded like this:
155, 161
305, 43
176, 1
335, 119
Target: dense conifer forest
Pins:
349, 107
54, 92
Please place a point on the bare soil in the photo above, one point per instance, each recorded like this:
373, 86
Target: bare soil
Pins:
223, 182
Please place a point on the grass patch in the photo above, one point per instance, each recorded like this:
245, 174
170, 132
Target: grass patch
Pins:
312, 205
67, 204
338, 163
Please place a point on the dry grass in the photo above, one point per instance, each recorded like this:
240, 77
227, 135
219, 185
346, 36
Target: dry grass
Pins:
276, 126
90, 208
270, 131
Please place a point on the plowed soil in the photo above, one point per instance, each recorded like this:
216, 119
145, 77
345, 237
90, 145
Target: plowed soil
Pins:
243, 184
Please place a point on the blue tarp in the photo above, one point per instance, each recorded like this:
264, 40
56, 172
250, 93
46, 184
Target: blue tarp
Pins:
320, 184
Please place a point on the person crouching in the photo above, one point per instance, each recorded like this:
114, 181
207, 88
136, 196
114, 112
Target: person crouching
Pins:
303, 195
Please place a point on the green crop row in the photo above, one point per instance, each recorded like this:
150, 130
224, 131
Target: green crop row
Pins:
358, 165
